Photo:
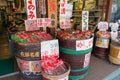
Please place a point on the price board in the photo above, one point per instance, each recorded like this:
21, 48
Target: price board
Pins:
49, 49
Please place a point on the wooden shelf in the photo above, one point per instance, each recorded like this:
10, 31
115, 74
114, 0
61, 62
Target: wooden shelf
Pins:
92, 10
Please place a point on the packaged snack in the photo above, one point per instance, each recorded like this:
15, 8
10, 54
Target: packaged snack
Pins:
90, 4
78, 5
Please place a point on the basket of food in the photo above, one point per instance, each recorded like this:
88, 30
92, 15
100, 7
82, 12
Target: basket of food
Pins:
27, 43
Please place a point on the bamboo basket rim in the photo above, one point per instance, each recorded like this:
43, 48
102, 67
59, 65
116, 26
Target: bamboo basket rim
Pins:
114, 60
117, 47
56, 77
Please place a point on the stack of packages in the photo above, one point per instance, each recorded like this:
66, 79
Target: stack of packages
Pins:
102, 41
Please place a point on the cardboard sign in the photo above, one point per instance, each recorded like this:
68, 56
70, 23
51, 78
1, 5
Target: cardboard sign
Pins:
49, 49
114, 26
84, 44
85, 18
65, 14
43, 22
31, 9
87, 60
31, 25
103, 26
52, 12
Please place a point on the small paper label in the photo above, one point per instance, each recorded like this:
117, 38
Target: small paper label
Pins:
43, 22
114, 26
103, 26
84, 44
114, 35
87, 59
49, 48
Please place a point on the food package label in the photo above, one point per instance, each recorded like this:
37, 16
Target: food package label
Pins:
102, 42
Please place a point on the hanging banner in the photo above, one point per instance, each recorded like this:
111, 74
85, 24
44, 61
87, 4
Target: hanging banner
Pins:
52, 12
31, 9
49, 49
103, 26
31, 25
65, 14
40, 7
85, 20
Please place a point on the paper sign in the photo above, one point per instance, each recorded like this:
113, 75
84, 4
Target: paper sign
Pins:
65, 14
87, 60
43, 22
103, 26
31, 9
114, 26
52, 12
84, 44
85, 18
49, 48
114, 35
31, 25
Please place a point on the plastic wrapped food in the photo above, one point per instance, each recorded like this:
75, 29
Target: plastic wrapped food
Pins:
104, 34
90, 4
78, 5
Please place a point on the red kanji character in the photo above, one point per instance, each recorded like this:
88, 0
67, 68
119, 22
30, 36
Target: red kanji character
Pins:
30, 1
31, 15
62, 4
31, 7
63, 10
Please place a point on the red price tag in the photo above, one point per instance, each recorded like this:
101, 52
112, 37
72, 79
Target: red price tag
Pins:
103, 26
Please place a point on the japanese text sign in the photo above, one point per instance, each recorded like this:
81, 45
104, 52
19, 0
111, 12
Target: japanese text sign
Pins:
49, 49
31, 9
52, 12
85, 18
87, 59
43, 22
114, 26
84, 44
65, 14
31, 25
103, 26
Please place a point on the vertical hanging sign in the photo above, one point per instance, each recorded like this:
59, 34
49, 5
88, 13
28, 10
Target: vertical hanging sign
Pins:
52, 12
85, 18
31, 9
65, 14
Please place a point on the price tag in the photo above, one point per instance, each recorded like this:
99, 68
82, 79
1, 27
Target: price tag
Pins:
49, 49
43, 22
85, 18
114, 26
31, 25
114, 35
87, 59
103, 26
84, 44
31, 9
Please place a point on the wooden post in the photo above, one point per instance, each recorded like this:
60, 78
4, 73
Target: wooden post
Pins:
108, 10
103, 9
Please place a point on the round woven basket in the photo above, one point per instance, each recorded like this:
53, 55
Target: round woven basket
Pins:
27, 51
114, 55
63, 76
